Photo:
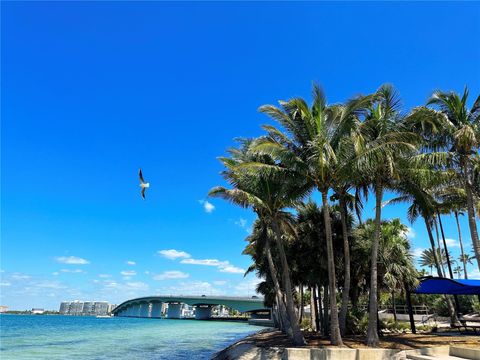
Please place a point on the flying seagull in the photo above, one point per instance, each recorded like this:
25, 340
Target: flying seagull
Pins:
143, 184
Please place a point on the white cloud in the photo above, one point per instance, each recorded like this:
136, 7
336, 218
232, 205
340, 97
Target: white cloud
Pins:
452, 243
5, 283
475, 274
55, 273
191, 288
417, 252
19, 276
206, 262
409, 233
231, 269
219, 282
128, 273
223, 266
129, 262
241, 222
71, 260
247, 287
73, 271
173, 254
207, 206
172, 274
104, 276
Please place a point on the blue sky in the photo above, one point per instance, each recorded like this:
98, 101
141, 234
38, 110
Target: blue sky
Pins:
92, 91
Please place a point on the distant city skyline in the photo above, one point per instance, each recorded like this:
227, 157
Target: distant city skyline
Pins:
92, 91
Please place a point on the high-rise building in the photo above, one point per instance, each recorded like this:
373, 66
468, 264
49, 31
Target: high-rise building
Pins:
101, 308
76, 307
86, 308
64, 307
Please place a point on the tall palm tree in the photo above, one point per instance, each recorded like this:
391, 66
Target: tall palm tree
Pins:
382, 139
395, 262
313, 145
268, 195
427, 258
458, 270
466, 259
455, 134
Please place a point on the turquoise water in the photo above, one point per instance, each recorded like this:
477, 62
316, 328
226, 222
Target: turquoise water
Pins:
87, 338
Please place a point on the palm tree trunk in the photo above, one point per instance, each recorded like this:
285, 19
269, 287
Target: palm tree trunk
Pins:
449, 265
318, 308
287, 285
464, 261
335, 336
346, 253
325, 317
301, 303
313, 309
471, 212
394, 306
372, 334
283, 317
440, 254
434, 248
445, 245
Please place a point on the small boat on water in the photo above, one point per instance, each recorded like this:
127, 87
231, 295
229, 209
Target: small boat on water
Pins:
104, 316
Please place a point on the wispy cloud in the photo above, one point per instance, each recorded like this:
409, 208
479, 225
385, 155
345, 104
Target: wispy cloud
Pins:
223, 266
128, 273
207, 206
219, 282
247, 286
173, 254
20, 276
172, 274
410, 233
73, 271
129, 262
105, 276
71, 260
475, 274
243, 223
417, 252
191, 288
452, 243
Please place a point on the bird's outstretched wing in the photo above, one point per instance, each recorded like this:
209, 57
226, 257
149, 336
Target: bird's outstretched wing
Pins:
140, 175
143, 193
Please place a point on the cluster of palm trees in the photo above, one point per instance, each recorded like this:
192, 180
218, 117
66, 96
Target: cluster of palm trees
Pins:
366, 146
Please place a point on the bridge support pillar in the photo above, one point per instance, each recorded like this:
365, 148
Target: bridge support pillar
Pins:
156, 310
174, 311
144, 309
135, 310
203, 312
129, 311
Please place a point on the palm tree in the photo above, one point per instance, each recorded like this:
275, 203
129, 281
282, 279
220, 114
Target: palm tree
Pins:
466, 259
395, 262
313, 135
267, 194
427, 258
458, 270
455, 130
382, 139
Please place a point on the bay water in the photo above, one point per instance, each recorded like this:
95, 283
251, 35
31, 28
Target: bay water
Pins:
28, 337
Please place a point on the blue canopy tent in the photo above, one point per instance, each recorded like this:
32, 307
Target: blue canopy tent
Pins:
444, 286
436, 285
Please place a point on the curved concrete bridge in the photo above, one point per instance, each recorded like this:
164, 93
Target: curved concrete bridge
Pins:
151, 306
